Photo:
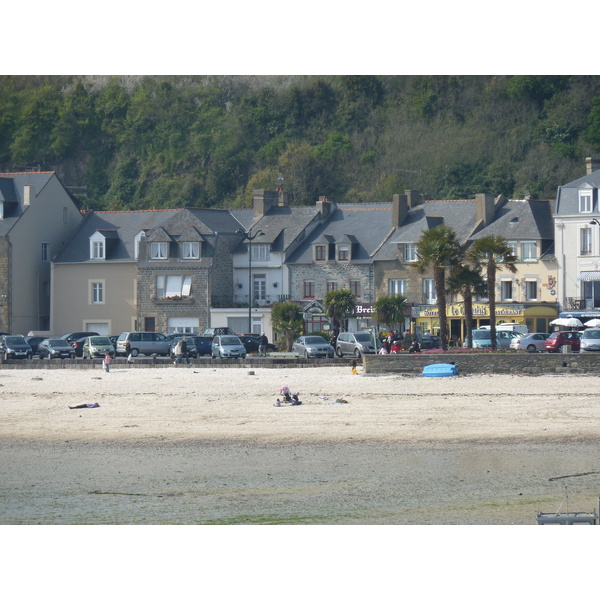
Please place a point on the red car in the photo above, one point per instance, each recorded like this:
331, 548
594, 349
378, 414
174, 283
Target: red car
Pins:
558, 339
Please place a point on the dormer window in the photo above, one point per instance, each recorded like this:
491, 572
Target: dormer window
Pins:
190, 250
260, 252
410, 252
158, 250
320, 253
586, 204
343, 253
97, 246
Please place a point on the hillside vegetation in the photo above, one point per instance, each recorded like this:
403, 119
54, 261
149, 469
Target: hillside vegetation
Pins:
204, 141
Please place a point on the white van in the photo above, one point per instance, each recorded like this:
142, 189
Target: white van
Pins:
516, 327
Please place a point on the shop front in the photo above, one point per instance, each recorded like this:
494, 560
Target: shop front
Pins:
536, 317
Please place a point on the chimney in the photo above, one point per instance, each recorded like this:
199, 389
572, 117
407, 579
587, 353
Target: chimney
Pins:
27, 195
264, 200
591, 165
399, 209
325, 207
414, 198
485, 207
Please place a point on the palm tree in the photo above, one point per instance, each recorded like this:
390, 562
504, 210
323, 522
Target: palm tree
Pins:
390, 309
467, 282
286, 318
492, 253
438, 249
337, 304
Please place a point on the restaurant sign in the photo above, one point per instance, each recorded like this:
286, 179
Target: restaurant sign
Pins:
479, 310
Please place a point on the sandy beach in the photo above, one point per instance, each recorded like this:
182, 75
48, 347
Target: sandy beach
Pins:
209, 446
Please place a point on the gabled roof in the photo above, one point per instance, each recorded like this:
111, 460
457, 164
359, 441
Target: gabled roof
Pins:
281, 226
126, 224
458, 214
363, 225
522, 220
568, 194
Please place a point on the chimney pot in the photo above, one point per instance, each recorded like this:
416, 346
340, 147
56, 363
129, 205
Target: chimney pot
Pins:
591, 164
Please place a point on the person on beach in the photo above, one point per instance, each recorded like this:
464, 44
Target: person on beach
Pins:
354, 365
88, 405
178, 353
285, 392
106, 362
184, 351
414, 347
262, 344
128, 350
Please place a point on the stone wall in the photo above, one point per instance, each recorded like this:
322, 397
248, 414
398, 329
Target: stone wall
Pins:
5, 324
517, 363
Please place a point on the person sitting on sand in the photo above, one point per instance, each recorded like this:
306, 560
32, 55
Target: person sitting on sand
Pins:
354, 365
285, 392
88, 405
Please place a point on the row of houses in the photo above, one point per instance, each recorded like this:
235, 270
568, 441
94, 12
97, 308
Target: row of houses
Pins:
183, 270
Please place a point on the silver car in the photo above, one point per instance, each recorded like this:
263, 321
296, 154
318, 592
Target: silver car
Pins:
482, 338
590, 340
312, 346
531, 342
356, 343
227, 346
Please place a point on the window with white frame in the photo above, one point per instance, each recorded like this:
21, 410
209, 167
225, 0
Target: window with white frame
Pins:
343, 253
190, 250
585, 201
320, 253
331, 285
96, 292
260, 252
309, 288
514, 248
97, 249
354, 285
158, 250
531, 290
397, 286
506, 290
585, 241
528, 251
429, 295
410, 252
45, 251
173, 286
259, 287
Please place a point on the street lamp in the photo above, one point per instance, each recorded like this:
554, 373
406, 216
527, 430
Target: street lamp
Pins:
249, 237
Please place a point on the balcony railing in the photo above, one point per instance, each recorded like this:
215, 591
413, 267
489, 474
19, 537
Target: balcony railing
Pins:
241, 301
582, 303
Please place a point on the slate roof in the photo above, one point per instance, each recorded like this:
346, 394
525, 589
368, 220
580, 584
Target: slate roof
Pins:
365, 225
458, 214
522, 220
567, 196
281, 225
11, 193
127, 224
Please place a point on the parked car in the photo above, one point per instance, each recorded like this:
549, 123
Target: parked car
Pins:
227, 346
430, 342
202, 343
77, 345
313, 346
590, 340
192, 352
55, 348
96, 346
356, 343
531, 342
482, 338
558, 339
143, 342
251, 344
70, 337
34, 342
212, 331
15, 346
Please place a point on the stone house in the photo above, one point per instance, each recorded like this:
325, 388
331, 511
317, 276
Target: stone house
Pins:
37, 218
